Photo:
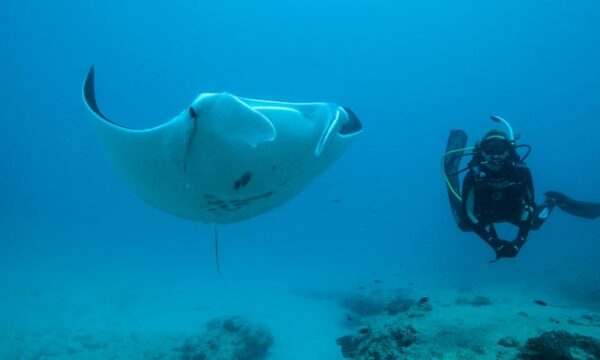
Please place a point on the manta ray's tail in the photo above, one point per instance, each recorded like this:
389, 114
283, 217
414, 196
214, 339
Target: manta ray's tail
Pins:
217, 249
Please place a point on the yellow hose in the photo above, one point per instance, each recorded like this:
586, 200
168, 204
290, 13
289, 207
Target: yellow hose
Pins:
451, 152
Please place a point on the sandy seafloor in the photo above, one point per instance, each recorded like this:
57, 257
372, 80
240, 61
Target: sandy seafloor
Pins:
143, 323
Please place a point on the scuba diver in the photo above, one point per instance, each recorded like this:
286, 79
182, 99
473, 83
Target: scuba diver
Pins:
498, 187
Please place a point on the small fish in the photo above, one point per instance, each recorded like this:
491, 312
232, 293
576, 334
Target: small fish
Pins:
349, 318
377, 281
423, 300
335, 201
364, 331
540, 302
361, 287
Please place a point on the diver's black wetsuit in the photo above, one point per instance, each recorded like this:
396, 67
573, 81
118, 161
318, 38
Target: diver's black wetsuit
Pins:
503, 196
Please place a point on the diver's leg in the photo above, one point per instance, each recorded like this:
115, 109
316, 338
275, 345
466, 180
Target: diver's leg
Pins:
492, 230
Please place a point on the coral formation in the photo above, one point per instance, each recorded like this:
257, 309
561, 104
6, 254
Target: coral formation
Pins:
385, 343
384, 317
560, 345
226, 339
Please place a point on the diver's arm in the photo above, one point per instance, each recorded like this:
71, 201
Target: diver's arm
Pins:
527, 208
468, 207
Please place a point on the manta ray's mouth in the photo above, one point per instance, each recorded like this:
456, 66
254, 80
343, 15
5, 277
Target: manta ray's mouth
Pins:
352, 125
343, 123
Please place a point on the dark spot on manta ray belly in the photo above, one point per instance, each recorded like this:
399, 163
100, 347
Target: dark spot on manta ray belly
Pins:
242, 181
240, 203
217, 206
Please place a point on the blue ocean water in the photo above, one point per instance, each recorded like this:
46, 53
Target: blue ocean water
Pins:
79, 249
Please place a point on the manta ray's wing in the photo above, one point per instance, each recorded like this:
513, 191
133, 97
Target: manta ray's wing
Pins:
150, 160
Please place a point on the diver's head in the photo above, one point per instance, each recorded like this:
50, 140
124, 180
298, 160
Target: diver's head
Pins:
497, 151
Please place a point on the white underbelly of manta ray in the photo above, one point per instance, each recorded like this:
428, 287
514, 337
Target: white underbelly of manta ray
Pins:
225, 158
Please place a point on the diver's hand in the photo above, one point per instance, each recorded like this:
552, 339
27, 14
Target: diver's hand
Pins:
519, 242
509, 250
505, 249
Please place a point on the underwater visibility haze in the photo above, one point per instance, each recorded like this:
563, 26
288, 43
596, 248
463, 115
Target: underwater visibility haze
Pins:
318, 150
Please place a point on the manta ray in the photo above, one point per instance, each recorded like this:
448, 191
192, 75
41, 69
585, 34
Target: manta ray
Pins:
225, 158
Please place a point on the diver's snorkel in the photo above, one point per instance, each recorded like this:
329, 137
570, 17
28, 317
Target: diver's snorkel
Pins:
498, 119
511, 137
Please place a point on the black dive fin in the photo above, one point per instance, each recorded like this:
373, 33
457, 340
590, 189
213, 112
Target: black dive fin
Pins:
456, 141
582, 209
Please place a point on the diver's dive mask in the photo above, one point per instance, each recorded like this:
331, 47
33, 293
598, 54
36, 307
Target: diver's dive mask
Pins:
496, 151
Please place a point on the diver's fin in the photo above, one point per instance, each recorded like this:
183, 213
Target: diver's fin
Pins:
582, 209
456, 141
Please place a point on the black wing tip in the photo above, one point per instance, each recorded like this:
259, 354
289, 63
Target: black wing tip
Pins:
90, 75
89, 92
89, 95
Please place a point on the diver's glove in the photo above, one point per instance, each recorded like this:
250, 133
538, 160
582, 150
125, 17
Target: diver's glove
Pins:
519, 242
506, 249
